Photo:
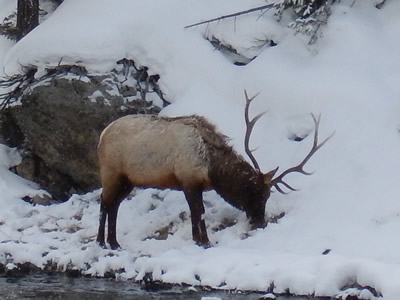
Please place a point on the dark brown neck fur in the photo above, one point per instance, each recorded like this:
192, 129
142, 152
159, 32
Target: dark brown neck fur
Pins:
235, 180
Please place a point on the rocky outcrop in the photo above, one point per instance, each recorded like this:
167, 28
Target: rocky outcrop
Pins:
61, 115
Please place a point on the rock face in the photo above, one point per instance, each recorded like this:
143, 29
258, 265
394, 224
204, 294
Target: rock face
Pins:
60, 118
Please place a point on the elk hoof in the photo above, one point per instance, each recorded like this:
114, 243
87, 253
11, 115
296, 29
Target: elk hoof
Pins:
114, 245
258, 225
207, 245
102, 244
204, 244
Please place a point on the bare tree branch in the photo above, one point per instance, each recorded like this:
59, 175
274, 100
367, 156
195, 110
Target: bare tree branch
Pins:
263, 7
17, 84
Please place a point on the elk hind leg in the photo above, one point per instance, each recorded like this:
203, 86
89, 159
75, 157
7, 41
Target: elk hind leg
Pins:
102, 224
111, 198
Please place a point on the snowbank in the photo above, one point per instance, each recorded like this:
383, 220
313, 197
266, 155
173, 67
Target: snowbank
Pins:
340, 230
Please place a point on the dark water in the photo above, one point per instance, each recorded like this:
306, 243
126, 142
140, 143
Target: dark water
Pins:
63, 287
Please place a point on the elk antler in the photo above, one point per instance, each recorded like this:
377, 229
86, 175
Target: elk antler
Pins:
249, 128
300, 167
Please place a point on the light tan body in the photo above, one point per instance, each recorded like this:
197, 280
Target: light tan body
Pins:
153, 152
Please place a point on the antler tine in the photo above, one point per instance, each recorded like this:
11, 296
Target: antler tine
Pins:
278, 188
300, 167
316, 122
249, 128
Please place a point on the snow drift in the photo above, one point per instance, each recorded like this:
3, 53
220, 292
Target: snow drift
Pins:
339, 231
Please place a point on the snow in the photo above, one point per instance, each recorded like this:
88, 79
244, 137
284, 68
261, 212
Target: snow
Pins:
349, 208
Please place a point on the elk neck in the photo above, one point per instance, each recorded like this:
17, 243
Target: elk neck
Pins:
235, 180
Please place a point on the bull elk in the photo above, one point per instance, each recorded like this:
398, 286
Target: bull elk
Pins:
184, 153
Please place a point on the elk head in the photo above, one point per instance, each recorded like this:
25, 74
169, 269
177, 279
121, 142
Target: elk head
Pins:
256, 210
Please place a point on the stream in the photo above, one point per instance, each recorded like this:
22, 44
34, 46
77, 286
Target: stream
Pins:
62, 287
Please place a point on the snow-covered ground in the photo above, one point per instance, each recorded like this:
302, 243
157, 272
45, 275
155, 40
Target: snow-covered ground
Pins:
349, 209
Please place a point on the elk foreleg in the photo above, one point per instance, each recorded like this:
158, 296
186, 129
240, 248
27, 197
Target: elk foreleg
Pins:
194, 198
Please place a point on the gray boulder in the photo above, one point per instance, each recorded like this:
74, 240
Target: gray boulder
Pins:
60, 117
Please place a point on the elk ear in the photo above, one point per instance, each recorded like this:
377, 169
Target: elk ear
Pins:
268, 176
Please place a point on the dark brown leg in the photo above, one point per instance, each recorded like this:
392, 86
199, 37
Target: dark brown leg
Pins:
125, 187
111, 198
194, 198
102, 224
112, 227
